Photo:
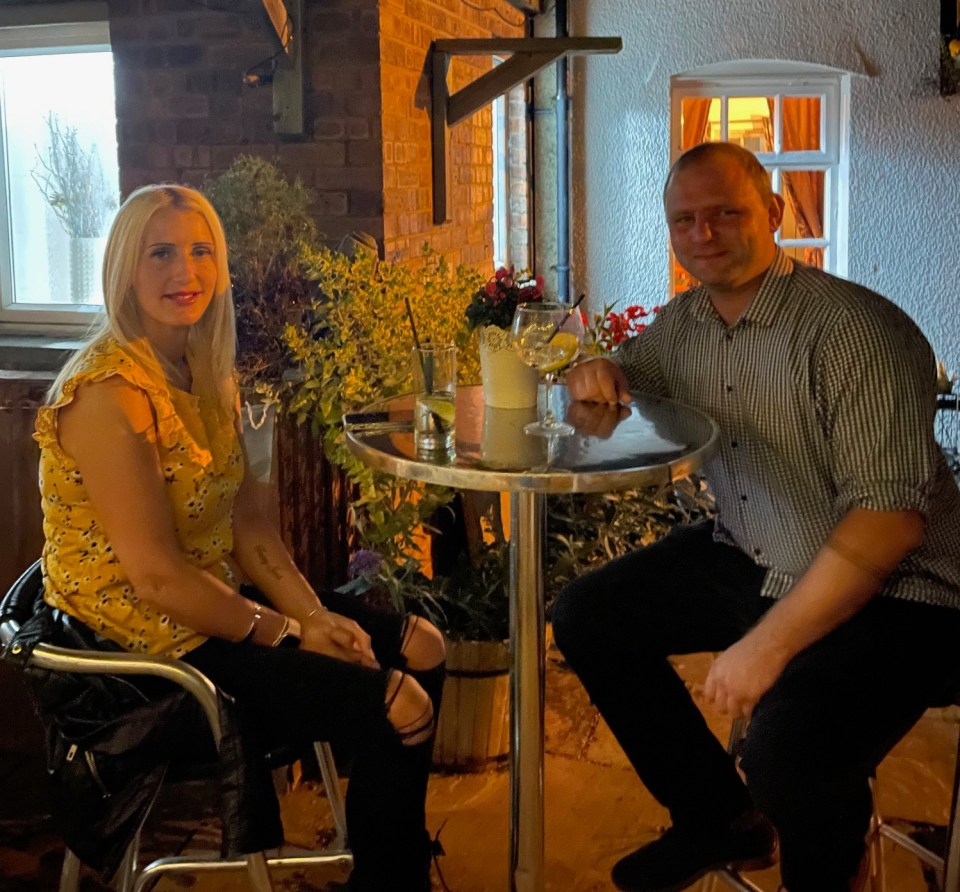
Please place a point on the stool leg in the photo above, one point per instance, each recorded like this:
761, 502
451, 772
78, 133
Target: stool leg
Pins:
878, 879
127, 874
258, 874
328, 771
70, 873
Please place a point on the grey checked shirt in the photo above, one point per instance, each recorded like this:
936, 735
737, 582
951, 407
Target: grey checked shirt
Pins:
824, 393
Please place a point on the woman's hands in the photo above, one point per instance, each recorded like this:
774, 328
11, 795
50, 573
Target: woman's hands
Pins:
336, 636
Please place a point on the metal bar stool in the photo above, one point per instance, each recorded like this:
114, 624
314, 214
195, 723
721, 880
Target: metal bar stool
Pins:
131, 877
945, 863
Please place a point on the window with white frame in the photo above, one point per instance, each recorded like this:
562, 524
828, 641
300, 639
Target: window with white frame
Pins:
58, 169
794, 119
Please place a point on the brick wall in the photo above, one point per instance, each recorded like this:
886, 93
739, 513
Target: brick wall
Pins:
406, 29
184, 113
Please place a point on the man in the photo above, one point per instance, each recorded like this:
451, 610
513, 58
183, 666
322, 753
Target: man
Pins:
830, 578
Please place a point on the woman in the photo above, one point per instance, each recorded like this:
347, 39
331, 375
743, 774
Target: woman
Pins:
151, 525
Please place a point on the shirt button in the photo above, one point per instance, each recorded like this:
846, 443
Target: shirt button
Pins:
729, 335
743, 498
733, 444
758, 551
729, 388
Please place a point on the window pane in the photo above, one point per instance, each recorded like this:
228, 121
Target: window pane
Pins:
699, 121
810, 256
750, 123
801, 124
62, 179
802, 192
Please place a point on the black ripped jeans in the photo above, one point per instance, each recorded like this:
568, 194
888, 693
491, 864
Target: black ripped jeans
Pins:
293, 697
814, 738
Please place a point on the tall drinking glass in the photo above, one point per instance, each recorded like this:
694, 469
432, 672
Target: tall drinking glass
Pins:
548, 336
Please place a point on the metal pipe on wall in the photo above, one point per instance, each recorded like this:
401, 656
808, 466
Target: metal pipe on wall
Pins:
563, 160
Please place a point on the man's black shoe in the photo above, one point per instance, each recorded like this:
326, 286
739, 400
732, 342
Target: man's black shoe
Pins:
684, 854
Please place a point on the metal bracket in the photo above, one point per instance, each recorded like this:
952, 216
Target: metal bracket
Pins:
286, 17
528, 55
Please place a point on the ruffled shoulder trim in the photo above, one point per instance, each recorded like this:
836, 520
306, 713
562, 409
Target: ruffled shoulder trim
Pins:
106, 361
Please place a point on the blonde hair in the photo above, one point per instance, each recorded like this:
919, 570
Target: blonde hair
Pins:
211, 342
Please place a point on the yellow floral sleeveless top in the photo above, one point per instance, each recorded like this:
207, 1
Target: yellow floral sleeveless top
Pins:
202, 465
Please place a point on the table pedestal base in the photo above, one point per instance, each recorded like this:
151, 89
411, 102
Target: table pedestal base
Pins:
526, 692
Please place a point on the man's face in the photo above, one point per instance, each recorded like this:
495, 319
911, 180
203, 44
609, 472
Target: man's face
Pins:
720, 227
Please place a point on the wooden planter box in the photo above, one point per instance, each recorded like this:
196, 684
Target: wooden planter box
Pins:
314, 506
473, 731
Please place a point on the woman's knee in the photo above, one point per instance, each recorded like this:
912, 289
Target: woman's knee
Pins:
409, 709
424, 647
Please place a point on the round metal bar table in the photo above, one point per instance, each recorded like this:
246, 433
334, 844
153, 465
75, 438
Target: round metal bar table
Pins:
659, 442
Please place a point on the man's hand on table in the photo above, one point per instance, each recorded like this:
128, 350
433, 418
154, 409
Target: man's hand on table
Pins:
598, 381
596, 419
336, 636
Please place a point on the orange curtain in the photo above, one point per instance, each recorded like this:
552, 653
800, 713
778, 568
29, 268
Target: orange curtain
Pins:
696, 115
804, 189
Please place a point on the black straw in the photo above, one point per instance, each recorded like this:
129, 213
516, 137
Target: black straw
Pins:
427, 376
559, 325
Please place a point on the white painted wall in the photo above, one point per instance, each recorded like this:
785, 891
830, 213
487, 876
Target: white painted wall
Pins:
904, 233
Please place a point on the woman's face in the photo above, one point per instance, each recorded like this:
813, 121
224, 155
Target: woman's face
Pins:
176, 273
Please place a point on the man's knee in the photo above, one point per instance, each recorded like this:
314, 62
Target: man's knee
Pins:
577, 614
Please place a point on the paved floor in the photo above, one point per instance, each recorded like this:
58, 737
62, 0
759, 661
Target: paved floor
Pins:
596, 810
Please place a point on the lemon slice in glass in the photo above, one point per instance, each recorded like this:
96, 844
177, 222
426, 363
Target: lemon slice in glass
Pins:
441, 406
563, 350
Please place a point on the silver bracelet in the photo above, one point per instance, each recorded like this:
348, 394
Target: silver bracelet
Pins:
257, 616
283, 632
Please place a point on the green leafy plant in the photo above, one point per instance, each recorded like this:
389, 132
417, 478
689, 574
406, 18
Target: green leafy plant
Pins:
470, 602
269, 228
73, 182
584, 531
352, 348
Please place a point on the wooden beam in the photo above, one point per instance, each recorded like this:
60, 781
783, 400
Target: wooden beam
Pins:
530, 7
499, 80
439, 135
280, 19
288, 77
495, 46
528, 55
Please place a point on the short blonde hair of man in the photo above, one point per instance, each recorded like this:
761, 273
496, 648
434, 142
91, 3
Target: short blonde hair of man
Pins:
212, 340
743, 158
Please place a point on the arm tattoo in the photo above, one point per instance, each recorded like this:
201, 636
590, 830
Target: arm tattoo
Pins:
272, 569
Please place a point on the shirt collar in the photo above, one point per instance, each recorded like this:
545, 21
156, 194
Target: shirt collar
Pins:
765, 306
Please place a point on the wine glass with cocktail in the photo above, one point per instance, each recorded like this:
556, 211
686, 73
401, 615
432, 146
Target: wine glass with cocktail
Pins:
548, 337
